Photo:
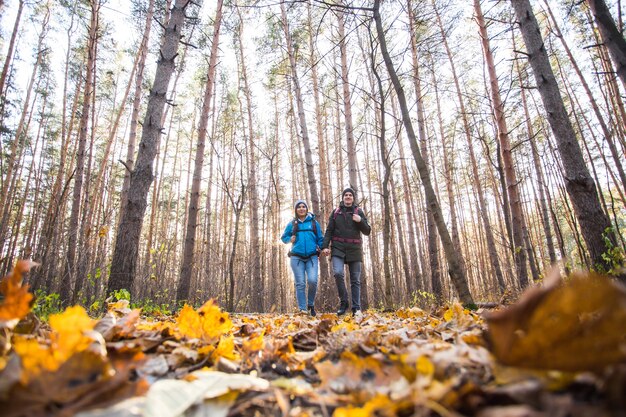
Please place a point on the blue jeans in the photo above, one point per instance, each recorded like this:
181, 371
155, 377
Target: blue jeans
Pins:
300, 268
355, 281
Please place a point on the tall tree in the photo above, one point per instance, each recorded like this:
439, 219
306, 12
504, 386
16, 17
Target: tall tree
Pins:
139, 74
454, 259
517, 213
581, 188
480, 195
308, 155
187, 263
11, 48
386, 195
124, 262
611, 36
347, 105
83, 129
254, 250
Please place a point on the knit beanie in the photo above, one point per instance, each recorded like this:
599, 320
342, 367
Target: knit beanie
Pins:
298, 202
348, 190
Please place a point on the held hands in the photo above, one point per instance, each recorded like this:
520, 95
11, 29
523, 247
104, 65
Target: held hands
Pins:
356, 218
325, 252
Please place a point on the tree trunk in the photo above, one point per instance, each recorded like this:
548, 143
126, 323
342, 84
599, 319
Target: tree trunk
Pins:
310, 169
124, 262
324, 292
581, 188
187, 263
482, 208
386, 195
69, 270
454, 260
517, 214
611, 36
347, 106
254, 250
8, 58
132, 136
608, 136
547, 230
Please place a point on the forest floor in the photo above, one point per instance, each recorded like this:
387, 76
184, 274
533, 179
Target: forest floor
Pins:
559, 351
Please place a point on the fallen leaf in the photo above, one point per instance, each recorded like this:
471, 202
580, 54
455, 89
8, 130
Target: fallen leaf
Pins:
72, 332
577, 326
208, 323
173, 397
17, 300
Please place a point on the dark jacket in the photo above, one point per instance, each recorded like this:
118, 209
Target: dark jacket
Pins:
307, 240
345, 233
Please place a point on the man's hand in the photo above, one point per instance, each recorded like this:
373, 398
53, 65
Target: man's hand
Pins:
293, 239
356, 218
325, 252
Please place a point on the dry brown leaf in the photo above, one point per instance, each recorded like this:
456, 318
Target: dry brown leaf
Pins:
353, 372
577, 326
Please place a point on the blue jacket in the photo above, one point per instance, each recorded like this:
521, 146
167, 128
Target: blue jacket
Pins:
307, 242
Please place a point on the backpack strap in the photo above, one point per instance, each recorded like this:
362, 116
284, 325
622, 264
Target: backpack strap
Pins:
338, 210
295, 227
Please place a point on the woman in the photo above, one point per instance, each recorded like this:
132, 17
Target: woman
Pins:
305, 234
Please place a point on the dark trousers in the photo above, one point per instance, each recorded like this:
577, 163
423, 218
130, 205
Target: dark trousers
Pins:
355, 281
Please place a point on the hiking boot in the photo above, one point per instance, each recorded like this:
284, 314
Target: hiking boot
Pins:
357, 313
302, 313
342, 309
312, 311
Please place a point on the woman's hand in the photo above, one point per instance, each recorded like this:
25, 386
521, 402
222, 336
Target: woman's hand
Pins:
293, 239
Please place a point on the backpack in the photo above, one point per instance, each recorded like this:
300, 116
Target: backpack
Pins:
338, 210
294, 229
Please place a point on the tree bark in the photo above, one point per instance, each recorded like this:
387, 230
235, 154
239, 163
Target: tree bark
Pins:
581, 188
608, 136
124, 263
611, 36
132, 136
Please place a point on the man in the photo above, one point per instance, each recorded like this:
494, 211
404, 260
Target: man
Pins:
345, 226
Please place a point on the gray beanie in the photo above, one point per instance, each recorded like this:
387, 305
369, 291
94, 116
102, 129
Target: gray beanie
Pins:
349, 190
298, 202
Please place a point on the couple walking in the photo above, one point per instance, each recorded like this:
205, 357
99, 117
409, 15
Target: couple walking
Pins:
342, 240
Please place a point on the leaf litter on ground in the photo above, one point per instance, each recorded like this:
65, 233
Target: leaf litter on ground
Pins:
559, 351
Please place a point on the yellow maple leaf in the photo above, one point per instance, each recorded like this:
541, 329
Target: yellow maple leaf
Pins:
254, 344
208, 323
34, 356
226, 349
17, 300
71, 334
